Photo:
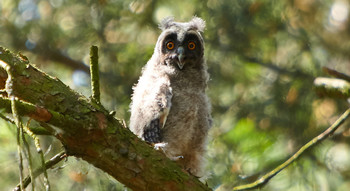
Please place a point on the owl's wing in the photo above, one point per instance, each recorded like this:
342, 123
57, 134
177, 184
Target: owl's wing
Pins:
152, 133
161, 108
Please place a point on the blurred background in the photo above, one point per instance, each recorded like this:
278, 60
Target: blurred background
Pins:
263, 56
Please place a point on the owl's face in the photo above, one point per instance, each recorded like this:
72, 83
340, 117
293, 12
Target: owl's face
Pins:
181, 45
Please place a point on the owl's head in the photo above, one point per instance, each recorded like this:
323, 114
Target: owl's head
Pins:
181, 45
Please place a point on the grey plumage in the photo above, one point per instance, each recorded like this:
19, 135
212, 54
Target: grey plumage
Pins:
169, 105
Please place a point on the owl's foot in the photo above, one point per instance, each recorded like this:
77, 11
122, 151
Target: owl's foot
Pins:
158, 146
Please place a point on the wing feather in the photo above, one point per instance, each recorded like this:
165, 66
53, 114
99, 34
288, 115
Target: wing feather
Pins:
152, 132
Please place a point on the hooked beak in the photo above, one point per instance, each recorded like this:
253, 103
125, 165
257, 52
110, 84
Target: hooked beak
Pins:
181, 57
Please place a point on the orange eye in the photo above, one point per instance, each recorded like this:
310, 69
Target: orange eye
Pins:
191, 45
170, 45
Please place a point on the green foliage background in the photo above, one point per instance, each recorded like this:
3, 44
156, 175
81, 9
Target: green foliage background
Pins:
262, 57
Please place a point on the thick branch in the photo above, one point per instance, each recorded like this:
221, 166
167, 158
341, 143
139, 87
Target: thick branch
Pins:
89, 132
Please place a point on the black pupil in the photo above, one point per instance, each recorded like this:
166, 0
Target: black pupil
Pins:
191, 45
170, 45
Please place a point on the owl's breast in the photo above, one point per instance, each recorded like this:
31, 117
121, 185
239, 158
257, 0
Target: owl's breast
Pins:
188, 109
187, 120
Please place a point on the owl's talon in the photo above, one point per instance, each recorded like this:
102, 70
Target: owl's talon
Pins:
158, 146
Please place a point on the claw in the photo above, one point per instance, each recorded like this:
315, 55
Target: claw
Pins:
158, 146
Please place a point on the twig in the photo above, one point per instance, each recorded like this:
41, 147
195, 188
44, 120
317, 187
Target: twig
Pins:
271, 66
36, 130
3, 92
95, 81
7, 119
48, 164
264, 179
19, 134
39, 114
40, 151
336, 74
29, 157
9, 90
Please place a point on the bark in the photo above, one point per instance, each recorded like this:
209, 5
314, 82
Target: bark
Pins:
87, 130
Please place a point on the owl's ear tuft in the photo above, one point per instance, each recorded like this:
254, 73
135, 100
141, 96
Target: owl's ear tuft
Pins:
197, 24
166, 23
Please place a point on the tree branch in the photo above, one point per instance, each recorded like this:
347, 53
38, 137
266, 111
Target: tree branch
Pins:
264, 179
87, 131
331, 87
48, 164
94, 73
271, 66
36, 130
336, 74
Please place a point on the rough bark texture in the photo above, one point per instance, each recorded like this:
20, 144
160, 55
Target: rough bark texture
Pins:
88, 131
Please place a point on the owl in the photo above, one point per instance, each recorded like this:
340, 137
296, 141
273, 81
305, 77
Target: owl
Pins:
170, 108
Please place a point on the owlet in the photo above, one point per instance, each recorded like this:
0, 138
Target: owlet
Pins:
170, 108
